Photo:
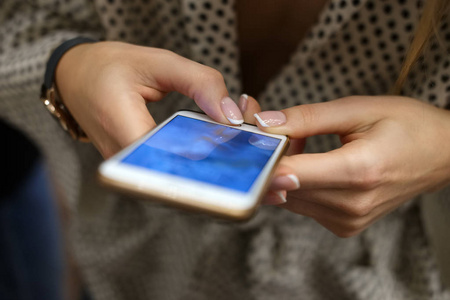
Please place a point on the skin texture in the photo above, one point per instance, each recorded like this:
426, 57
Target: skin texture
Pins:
106, 86
394, 148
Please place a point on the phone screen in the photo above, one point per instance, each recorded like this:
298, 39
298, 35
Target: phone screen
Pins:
205, 152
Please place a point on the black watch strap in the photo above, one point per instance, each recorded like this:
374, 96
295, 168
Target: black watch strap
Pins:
56, 56
49, 96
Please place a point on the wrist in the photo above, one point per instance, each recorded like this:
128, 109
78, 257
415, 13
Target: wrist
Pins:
56, 56
49, 95
69, 70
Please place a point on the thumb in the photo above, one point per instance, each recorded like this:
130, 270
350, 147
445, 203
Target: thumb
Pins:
342, 116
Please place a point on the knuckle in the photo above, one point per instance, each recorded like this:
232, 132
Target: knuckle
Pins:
212, 76
366, 172
210, 79
358, 208
344, 228
167, 53
355, 225
165, 56
350, 227
350, 99
308, 114
344, 233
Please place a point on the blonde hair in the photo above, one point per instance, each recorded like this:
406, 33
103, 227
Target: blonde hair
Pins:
432, 14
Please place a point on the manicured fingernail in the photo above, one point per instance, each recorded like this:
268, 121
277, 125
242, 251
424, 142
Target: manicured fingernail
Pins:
286, 182
270, 118
243, 101
274, 198
231, 111
281, 197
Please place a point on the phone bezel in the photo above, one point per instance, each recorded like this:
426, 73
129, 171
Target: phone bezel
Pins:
185, 192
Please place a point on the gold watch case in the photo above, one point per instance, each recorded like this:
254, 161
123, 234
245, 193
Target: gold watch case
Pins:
59, 112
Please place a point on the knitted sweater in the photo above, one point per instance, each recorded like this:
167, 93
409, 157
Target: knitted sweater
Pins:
130, 249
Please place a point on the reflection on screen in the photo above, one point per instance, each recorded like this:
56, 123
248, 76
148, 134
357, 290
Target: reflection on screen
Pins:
205, 152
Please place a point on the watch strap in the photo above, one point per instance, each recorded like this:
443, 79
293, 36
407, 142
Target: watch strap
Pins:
49, 96
56, 56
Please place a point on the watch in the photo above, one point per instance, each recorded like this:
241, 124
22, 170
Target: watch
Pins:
49, 95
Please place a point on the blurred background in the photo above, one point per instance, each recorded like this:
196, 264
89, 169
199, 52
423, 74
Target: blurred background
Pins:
35, 257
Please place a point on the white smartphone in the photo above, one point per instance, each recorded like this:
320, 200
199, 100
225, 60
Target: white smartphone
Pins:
196, 163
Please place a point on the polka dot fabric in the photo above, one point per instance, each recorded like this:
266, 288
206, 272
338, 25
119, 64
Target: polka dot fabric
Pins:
134, 250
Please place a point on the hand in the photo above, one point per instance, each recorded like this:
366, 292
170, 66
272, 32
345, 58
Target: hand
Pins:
394, 148
106, 85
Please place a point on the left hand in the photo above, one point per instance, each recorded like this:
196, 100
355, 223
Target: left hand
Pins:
394, 148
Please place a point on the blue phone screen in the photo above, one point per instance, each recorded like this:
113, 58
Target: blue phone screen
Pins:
205, 152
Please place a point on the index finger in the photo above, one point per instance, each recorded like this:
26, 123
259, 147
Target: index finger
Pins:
203, 84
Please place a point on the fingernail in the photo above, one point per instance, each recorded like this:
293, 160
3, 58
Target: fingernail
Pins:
231, 111
281, 197
274, 198
243, 101
286, 182
270, 118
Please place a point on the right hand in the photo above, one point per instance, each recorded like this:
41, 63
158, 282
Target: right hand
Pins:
106, 85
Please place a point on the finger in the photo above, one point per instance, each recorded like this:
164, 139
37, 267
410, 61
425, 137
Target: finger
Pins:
342, 203
274, 198
313, 209
314, 171
296, 146
284, 179
341, 116
249, 106
339, 229
338, 222
322, 170
348, 203
171, 72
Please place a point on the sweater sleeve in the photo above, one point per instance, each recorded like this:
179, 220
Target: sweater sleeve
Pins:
29, 32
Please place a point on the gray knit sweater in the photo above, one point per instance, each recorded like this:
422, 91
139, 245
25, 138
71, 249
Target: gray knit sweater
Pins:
130, 249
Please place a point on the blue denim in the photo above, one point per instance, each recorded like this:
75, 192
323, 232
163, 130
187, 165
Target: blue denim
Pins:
31, 257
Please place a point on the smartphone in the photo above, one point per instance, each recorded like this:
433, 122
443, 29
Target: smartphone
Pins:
193, 162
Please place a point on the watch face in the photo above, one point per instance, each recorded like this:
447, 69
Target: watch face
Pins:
48, 93
62, 115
